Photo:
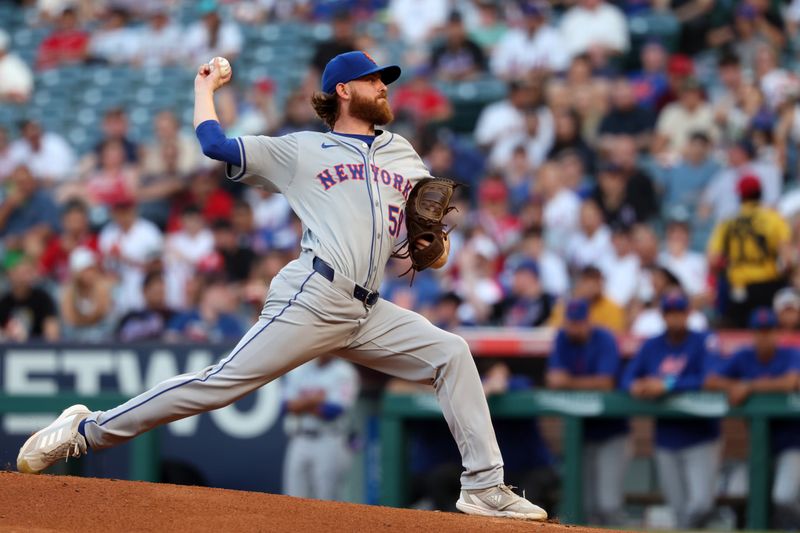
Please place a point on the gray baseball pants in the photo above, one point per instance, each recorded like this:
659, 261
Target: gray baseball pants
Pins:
306, 316
786, 489
316, 467
688, 477
604, 466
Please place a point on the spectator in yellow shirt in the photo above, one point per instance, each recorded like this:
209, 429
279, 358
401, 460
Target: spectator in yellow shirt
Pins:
751, 250
603, 311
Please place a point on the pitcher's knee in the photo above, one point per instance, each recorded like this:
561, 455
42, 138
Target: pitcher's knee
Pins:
455, 348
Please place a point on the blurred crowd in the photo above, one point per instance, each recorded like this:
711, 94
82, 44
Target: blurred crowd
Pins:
640, 145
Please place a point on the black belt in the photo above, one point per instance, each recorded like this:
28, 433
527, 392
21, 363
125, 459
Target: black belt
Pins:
359, 293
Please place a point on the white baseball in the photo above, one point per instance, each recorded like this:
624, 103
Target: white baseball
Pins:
224, 66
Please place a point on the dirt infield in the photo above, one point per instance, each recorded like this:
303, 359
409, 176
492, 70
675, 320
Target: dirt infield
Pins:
59, 503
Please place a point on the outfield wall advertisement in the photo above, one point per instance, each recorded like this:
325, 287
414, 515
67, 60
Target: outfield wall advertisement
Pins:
239, 446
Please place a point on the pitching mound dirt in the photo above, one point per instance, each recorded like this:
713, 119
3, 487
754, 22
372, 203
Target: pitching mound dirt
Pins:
59, 503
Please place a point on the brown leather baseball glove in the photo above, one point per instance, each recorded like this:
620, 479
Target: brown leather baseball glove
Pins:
427, 205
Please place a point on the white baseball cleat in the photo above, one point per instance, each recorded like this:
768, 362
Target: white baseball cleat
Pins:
60, 440
498, 501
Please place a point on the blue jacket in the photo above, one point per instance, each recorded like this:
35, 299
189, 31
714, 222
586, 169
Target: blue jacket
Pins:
598, 356
745, 365
685, 365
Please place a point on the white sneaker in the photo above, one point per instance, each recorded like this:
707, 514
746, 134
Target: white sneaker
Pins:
59, 440
498, 501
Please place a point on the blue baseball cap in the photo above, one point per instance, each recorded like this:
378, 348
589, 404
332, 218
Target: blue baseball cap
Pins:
529, 265
353, 65
531, 9
763, 318
577, 310
674, 301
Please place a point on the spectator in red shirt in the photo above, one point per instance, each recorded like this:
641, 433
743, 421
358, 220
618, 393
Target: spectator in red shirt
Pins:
67, 44
494, 214
204, 192
420, 100
113, 176
75, 232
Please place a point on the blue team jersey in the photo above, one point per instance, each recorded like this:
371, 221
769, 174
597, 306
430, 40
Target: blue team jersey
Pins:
746, 366
598, 356
687, 363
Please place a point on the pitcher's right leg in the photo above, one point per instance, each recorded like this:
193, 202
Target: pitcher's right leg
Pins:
289, 333
264, 353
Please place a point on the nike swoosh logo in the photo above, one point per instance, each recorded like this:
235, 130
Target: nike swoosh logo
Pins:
329, 145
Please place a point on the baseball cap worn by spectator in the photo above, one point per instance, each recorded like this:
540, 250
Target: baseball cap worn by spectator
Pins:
531, 9
528, 265
786, 298
353, 65
577, 310
763, 318
680, 65
749, 188
493, 191
786, 306
577, 327
674, 301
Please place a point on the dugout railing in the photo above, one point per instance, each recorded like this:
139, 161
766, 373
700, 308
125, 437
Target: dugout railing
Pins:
576, 407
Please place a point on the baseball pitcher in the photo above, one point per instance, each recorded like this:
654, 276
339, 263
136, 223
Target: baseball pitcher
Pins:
349, 187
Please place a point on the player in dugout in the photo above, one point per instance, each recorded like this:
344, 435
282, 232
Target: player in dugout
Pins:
687, 450
585, 357
766, 366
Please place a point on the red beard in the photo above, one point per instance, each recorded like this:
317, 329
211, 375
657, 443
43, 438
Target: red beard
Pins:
376, 112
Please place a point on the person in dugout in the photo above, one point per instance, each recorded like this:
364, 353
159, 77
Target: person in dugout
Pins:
687, 450
766, 366
586, 358
318, 398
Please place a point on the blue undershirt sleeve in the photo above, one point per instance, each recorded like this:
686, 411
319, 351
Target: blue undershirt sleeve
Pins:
215, 145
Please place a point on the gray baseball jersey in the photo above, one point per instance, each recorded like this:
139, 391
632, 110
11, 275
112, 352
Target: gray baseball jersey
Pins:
350, 198
337, 379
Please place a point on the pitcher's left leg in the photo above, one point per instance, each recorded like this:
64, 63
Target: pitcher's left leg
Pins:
403, 344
